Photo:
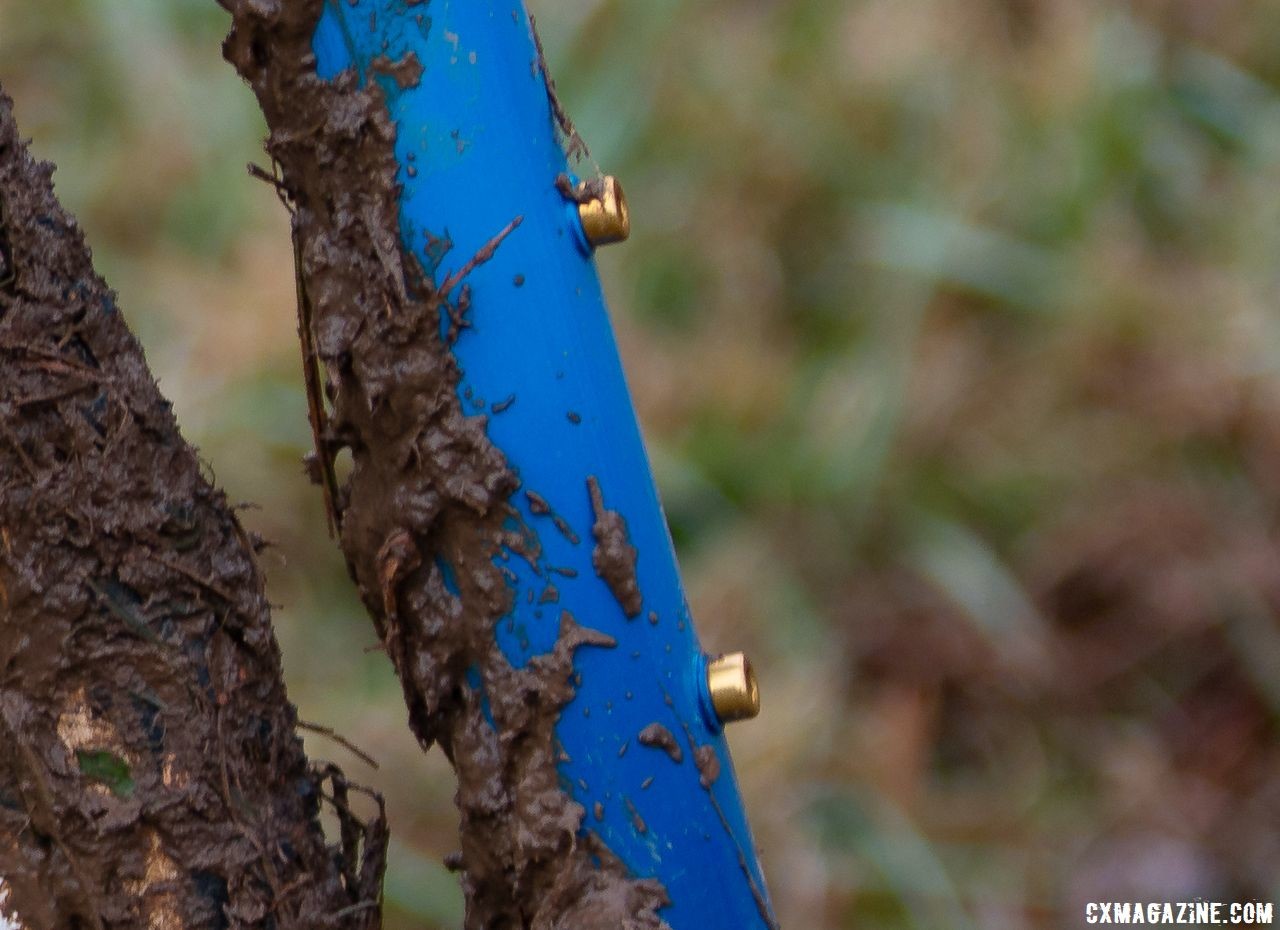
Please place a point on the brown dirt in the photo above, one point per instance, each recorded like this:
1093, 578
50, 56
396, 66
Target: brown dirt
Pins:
427, 488
152, 774
614, 558
656, 736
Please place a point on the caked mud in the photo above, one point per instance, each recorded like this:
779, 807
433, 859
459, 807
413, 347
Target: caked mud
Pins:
151, 774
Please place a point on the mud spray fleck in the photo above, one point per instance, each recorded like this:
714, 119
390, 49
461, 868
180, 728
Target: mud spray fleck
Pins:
656, 736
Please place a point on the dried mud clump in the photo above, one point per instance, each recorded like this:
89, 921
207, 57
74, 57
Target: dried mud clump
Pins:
427, 507
151, 772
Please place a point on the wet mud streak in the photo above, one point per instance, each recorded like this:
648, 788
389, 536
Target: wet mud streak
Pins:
574, 144
637, 822
485, 253
539, 507
614, 558
152, 774
428, 513
708, 763
457, 311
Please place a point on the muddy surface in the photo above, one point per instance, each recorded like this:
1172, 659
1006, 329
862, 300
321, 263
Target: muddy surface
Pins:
614, 558
151, 772
428, 498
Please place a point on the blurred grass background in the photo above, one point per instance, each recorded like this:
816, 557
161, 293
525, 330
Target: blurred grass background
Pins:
953, 329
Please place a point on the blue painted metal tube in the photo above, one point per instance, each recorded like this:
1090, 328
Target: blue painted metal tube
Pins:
477, 146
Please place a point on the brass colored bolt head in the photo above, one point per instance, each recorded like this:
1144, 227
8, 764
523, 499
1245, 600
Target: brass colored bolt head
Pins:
734, 691
605, 218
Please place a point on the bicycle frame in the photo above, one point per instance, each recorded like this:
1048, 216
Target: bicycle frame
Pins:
479, 160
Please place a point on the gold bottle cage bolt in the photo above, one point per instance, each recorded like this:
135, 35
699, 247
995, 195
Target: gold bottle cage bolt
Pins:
731, 681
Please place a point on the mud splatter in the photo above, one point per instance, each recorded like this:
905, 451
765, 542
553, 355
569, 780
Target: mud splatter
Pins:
537, 504
562, 525
427, 490
614, 558
708, 763
636, 820
539, 507
656, 736
152, 772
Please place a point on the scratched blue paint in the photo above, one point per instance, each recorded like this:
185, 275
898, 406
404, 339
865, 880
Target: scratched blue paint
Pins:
478, 148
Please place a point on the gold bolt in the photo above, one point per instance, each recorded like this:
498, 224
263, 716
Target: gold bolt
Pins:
734, 691
604, 216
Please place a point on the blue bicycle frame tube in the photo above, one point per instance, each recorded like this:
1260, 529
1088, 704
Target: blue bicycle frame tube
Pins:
478, 148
